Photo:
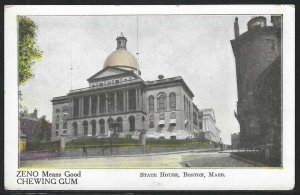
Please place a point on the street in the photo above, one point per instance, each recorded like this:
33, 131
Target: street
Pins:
168, 160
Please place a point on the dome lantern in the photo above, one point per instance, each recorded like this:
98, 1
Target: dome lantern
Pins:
121, 41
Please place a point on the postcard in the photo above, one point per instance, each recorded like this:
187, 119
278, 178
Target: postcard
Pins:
150, 97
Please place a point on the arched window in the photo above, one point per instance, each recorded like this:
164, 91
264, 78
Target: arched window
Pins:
161, 101
120, 124
172, 101
93, 123
151, 124
102, 126
151, 103
85, 128
110, 121
75, 129
131, 123
57, 114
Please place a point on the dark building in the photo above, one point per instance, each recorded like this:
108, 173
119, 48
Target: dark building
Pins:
235, 140
258, 69
34, 129
29, 125
267, 97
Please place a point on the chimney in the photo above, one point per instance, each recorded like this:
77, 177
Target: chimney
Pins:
236, 28
160, 77
276, 21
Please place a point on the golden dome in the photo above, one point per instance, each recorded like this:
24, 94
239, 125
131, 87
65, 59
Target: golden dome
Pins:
121, 58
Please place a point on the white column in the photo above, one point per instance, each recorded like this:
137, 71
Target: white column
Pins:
80, 108
124, 99
106, 127
106, 104
90, 105
72, 114
97, 128
98, 105
126, 102
89, 128
115, 100
136, 99
80, 128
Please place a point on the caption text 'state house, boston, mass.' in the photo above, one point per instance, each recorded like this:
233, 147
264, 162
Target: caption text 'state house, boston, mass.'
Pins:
119, 102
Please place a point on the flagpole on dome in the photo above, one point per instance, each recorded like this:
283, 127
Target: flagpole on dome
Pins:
137, 38
71, 67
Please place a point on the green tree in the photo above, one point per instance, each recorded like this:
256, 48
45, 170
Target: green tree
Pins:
28, 52
42, 132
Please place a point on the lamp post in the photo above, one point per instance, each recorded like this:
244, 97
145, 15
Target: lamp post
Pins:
112, 125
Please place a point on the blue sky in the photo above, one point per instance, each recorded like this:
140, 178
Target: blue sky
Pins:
195, 47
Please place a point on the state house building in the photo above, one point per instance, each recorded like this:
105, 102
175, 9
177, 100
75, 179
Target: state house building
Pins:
117, 95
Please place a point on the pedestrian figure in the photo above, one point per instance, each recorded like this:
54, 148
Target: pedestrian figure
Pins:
84, 152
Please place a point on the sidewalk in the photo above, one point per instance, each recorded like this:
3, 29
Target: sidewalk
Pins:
77, 154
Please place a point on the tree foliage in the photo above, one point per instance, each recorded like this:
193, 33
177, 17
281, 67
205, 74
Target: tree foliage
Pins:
28, 52
44, 127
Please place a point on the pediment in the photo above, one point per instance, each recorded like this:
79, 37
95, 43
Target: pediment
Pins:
107, 72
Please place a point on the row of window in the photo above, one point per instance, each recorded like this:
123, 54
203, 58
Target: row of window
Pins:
151, 124
65, 125
65, 109
113, 125
187, 107
162, 101
108, 82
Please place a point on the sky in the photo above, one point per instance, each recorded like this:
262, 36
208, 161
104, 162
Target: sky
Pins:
195, 47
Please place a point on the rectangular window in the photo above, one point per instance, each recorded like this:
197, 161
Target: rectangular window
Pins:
120, 101
194, 117
57, 126
151, 104
271, 43
65, 125
162, 116
102, 104
117, 81
172, 101
173, 115
200, 125
76, 107
151, 117
111, 102
94, 104
100, 84
132, 99
86, 106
